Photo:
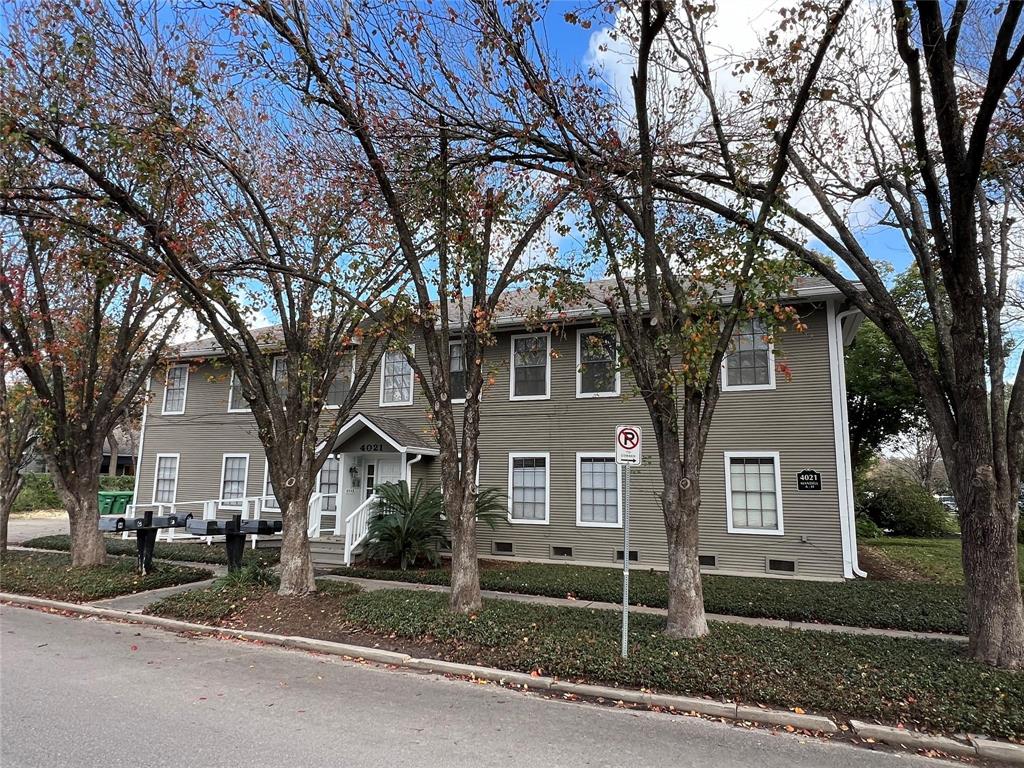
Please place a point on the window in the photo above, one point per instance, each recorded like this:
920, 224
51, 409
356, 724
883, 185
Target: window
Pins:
396, 379
531, 355
330, 474
753, 493
597, 490
279, 368
236, 400
175, 390
342, 383
597, 373
457, 371
165, 483
269, 499
528, 486
750, 362
233, 477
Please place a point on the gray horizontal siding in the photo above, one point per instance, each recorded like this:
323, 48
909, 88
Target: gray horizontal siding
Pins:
794, 419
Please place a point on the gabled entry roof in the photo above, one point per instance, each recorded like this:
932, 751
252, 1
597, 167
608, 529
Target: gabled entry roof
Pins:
395, 432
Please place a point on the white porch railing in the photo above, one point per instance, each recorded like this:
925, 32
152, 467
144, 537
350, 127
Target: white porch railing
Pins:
357, 526
323, 505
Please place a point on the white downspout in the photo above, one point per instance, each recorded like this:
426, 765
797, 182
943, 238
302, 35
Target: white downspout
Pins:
408, 469
841, 425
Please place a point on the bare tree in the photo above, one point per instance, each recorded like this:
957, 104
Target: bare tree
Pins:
917, 124
462, 233
210, 188
18, 425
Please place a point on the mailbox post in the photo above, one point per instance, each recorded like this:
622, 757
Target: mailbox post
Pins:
145, 528
234, 532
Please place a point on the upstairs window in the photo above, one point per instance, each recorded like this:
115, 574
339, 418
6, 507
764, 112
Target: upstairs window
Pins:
597, 373
342, 384
175, 390
753, 493
396, 379
750, 362
280, 372
457, 371
236, 400
531, 372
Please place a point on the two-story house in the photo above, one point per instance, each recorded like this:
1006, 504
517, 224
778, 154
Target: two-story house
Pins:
776, 483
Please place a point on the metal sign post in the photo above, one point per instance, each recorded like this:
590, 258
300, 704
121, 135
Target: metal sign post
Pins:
627, 454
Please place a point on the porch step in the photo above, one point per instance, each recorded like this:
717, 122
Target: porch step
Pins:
328, 551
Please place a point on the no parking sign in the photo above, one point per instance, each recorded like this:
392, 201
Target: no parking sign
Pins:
627, 444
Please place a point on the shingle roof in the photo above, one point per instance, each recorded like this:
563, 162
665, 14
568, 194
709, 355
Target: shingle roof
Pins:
399, 432
517, 305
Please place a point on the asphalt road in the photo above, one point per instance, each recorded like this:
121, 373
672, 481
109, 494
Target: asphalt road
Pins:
93, 694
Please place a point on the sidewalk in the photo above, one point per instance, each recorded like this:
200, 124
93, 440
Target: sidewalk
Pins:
561, 602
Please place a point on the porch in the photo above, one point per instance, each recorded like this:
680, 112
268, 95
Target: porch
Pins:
368, 451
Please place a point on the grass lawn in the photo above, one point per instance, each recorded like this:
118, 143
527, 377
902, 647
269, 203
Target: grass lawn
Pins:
48, 574
934, 560
184, 551
889, 605
922, 684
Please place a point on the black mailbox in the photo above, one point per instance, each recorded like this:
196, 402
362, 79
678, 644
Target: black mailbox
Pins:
145, 528
234, 532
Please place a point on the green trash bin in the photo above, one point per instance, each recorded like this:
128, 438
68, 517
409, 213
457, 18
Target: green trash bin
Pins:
114, 502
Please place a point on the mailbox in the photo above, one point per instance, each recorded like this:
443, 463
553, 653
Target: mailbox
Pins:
234, 532
145, 528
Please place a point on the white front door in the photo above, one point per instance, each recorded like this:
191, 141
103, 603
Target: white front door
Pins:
379, 470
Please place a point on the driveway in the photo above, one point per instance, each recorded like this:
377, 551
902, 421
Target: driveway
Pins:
22, 529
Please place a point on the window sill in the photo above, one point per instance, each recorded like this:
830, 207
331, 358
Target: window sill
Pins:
239, 410
581, 524
515, 521
394, 405
172, 413
592, 395
515, 398
748, 387
757, 531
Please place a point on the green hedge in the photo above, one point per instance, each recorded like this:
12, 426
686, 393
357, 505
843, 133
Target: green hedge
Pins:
923, 684
39, 493
48, 574
918, 607
189, 552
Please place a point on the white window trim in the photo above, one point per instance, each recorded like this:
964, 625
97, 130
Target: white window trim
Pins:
263, 488
726, 387
547, 487
231, 388
461, 343
156, 469
580, 522
412, 381
580, 394
512, 368
229, 503
184, 400
351, 381
774, 455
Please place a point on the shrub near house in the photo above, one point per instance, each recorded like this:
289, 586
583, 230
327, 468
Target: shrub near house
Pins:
902, 507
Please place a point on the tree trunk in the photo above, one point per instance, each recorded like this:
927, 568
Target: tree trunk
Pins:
680, 500
465, 594
296, 560
8, 494
79, 493
995, 619
112, 466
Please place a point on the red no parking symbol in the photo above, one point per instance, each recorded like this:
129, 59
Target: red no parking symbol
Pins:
627, 444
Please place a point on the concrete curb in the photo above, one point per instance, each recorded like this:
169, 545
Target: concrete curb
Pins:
977, 746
